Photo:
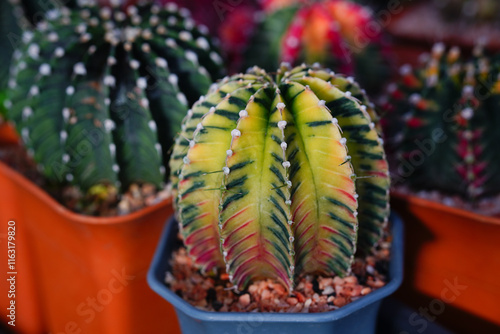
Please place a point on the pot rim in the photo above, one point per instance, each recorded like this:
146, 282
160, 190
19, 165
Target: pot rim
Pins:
159, 265
22, 181
425, 203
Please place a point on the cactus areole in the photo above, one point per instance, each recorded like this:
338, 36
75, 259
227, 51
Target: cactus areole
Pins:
98, 94
281, 176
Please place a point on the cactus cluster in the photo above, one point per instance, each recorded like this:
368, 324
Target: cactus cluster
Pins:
441, 122
339, 34
280, 176
98, 94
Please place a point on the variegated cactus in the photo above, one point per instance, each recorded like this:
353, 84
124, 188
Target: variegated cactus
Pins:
441, 121
280, 176
98, 94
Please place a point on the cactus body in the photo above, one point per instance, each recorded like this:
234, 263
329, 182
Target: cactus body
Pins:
274, 175
338, 34
98, 94
442, 121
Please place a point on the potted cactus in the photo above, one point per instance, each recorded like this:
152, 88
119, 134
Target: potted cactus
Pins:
441, 121
279, 178
9, 32
340, 34
97, 94
455, 22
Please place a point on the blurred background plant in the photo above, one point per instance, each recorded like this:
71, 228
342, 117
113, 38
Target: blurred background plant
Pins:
440, 123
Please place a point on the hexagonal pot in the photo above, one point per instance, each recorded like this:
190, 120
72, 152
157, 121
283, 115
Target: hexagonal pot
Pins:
455, 258
78, 272
357, 317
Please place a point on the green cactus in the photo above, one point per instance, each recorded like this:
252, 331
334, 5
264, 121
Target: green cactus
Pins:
273, 176
10, 32
442, 123
90, 88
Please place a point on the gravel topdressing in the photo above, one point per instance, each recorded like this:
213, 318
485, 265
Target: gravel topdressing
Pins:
311, 294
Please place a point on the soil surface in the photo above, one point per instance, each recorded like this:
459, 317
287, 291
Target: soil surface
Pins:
312, 294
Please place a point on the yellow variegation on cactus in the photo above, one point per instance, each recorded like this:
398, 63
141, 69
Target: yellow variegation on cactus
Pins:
277, 177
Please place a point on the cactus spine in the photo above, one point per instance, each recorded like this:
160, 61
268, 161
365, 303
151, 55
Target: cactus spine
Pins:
273, 176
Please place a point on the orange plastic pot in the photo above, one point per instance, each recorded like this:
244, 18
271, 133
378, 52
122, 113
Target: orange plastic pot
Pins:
80, 274
452, 264
8, 134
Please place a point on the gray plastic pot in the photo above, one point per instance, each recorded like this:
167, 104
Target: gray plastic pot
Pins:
358, 317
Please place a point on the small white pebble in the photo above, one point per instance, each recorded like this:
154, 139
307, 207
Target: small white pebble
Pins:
328, 290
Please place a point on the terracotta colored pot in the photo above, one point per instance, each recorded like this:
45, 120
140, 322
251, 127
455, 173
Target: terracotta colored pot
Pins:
78, 272
8, 134
358, 317
452, 264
